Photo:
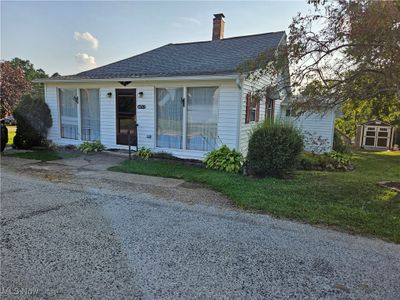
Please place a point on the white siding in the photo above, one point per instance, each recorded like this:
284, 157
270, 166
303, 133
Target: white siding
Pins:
146, 117
108, 124
228, 115
277, 113
245, 129
317, 127
51, 100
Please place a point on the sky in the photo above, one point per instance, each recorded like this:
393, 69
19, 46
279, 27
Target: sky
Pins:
72, 36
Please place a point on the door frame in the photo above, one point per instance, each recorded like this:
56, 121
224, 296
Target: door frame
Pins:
135, 140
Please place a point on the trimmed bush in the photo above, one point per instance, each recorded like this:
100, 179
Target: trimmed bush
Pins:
95, 146
274, 149
33, 121
224, 159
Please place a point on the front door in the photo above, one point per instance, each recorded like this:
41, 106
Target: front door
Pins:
126, 116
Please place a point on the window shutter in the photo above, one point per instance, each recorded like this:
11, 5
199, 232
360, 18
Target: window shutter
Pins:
248, 104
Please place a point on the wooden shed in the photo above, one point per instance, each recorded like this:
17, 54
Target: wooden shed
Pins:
375, 135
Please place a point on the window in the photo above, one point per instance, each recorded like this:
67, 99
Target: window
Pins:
202, 118
90, 114
169, 117
252, 108
288, 113
269, 109
68, 101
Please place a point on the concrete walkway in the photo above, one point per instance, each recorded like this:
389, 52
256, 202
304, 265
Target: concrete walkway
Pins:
70, 229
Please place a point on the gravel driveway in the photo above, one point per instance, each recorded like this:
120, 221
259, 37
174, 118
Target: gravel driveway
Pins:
72, 230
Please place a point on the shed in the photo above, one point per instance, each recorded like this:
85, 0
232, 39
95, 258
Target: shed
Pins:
375, 135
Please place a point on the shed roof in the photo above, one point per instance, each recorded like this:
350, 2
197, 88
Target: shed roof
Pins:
376, 123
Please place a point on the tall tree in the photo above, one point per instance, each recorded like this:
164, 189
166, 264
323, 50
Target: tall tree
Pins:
340, 51
31, 74
13, 85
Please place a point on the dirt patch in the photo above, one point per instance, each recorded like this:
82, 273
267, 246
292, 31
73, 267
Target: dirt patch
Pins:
191, 185
49, 172
394, 186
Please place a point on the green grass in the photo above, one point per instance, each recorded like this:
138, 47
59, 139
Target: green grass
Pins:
11, 134
43, 155
350, 201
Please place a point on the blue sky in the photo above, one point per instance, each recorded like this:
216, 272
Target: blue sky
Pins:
71, 36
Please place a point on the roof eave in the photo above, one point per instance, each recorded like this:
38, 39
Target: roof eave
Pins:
231, 76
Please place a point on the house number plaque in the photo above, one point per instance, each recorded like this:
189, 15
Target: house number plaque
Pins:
141, 106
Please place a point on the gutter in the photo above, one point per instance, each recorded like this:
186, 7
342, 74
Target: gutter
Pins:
136, 79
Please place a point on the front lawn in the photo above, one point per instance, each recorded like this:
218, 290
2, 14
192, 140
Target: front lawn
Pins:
44, 155
347, 200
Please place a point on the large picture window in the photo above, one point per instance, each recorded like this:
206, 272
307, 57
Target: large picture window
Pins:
169, 117
68, 113
202, 118
90, 114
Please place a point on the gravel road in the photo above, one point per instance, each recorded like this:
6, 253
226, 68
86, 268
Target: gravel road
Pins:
73, 232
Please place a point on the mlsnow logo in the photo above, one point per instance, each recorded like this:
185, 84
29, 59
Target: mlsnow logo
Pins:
18, 291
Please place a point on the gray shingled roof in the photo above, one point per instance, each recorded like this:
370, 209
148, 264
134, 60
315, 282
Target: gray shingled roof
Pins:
218, 57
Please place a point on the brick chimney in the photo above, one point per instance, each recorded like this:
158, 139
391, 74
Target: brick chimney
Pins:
218, 27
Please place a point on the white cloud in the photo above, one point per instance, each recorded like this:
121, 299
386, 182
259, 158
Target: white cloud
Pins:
87, 36
185, 21
190, 20
85, 61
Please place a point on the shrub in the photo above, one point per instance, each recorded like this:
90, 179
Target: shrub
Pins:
274, 149
33, 120
340, 160
144, 153
339, 144
310, 161
327, 161
87, 146
3, 136
224, 159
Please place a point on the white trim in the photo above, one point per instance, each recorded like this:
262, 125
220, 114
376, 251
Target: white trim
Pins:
184, 128
135, 79
376, 137
79, 114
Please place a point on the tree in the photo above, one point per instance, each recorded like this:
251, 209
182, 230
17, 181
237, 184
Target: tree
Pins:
12, 86
357, 112
342, 51
31, 74
34, 119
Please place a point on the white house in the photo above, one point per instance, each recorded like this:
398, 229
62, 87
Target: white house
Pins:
185, 99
